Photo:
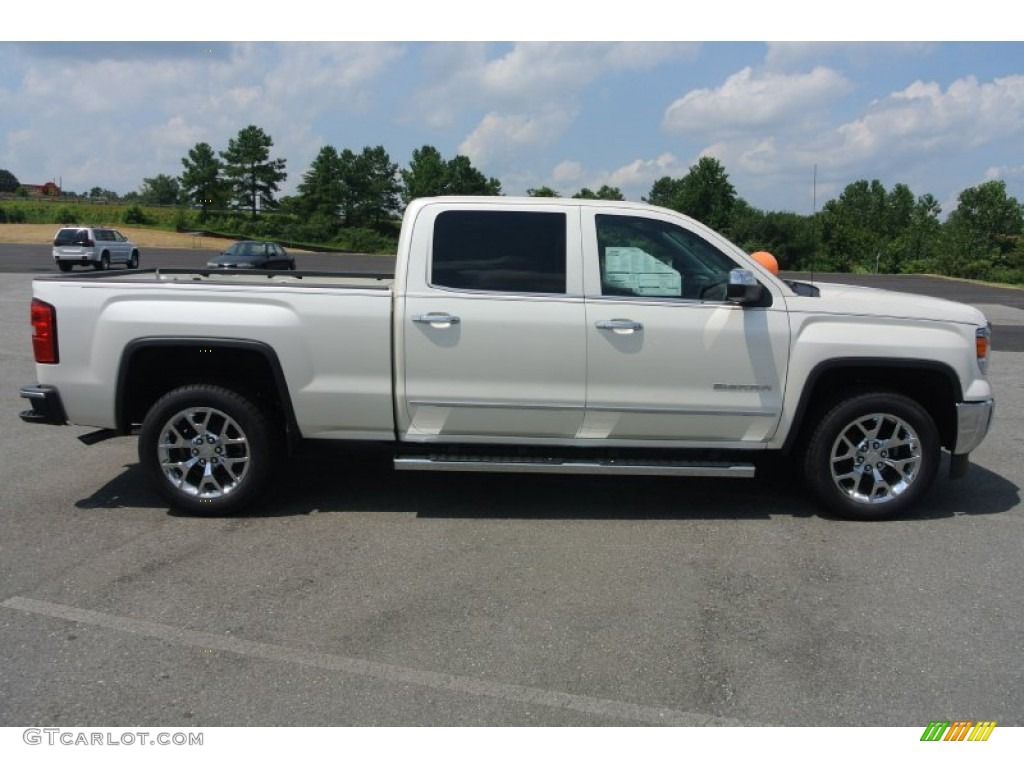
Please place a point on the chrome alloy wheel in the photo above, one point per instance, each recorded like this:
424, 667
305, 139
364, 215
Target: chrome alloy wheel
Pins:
203, 452
875, 458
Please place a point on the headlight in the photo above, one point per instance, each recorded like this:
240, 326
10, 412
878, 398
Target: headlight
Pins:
983, 346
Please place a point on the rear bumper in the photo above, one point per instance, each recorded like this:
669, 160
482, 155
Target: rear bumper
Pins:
972, 423
47, 407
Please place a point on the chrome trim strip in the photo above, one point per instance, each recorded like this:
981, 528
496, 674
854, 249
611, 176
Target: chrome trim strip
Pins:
762, 412
767, 412
494, 404
559, 467
972, 423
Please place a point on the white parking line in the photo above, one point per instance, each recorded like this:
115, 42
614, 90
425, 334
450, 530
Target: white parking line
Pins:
391, 673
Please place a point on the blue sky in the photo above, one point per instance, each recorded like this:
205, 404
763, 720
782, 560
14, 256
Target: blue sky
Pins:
939, 117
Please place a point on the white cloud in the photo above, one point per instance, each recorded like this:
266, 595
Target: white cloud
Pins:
634, 178
502, 135
567, 172
923, 119
751, 99
643, 173
532, 83
1005, 172
174, 100
789, 55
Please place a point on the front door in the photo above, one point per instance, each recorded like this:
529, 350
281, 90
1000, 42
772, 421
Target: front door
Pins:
669, 359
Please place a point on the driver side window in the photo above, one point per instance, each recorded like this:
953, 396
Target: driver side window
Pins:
656, 259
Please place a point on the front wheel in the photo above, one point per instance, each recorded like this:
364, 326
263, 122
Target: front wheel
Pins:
209, 450
872, 456
133, 262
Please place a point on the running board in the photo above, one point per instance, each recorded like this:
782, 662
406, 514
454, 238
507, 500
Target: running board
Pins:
444, 463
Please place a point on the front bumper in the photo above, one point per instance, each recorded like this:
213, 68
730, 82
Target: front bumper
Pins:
47, 407
972, 423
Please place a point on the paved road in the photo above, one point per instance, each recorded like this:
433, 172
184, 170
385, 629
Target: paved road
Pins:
37, 259
352, 595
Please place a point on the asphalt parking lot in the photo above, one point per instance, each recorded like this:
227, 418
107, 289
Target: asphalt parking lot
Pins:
353, 595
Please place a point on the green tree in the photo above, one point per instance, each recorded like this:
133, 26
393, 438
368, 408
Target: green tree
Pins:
464, 179
426, 175
104, 194
666, 192
429, 175
253, 175
707, 194
853, 227
373, 187
322, 188
160, 190
983, 230
201, 181
604, 193
917, 246
8, 181
544, 191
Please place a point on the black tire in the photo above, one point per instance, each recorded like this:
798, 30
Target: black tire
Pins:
133, 262
64, 266
886, 432
209, 450
103, 263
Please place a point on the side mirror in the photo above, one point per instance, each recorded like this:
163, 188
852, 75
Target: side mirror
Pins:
743, 288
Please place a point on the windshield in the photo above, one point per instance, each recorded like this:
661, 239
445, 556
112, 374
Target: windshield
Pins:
246, 251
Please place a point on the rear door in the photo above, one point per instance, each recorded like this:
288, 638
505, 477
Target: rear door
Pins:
492, 339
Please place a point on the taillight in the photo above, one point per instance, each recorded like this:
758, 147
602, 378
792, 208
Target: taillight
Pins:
44, 331
89, 243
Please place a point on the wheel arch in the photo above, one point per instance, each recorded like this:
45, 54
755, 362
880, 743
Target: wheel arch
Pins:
934, 385
151, 367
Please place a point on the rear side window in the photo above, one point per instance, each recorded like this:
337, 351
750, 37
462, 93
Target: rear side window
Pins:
69, 236
507, 251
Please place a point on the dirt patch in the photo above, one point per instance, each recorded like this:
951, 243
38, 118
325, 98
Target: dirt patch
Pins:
146, 238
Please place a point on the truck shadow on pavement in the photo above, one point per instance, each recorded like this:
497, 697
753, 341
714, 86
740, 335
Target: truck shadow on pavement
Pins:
335, 479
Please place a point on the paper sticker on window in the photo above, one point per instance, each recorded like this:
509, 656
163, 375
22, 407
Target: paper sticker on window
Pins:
633, 270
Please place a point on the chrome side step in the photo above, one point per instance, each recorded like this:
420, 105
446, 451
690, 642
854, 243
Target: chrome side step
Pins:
553, 465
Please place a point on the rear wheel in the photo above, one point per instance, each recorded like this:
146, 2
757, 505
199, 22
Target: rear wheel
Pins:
64, 266
103, 263
872, 456
208, 449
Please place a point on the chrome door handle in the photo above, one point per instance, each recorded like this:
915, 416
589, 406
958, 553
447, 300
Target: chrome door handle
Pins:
620, 325
437, 319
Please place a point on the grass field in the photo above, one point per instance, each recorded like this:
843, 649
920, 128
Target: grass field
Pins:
147, 238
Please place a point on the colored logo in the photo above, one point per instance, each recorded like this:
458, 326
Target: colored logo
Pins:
958, 730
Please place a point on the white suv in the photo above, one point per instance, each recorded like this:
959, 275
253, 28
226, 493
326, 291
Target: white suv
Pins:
98, 247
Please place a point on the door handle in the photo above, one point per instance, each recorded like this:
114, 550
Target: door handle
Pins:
437, 319
620, 325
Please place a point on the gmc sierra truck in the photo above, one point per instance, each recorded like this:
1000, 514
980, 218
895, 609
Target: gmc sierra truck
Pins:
520, 335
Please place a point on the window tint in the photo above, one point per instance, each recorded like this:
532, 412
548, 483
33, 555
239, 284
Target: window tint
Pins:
652, 258
509, 251
69, 236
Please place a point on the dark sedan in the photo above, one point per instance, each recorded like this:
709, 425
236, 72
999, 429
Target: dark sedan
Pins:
253, 254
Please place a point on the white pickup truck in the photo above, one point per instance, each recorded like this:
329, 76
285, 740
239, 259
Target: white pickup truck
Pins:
520, 335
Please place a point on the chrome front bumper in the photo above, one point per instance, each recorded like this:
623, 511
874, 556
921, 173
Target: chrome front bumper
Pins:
972, 423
